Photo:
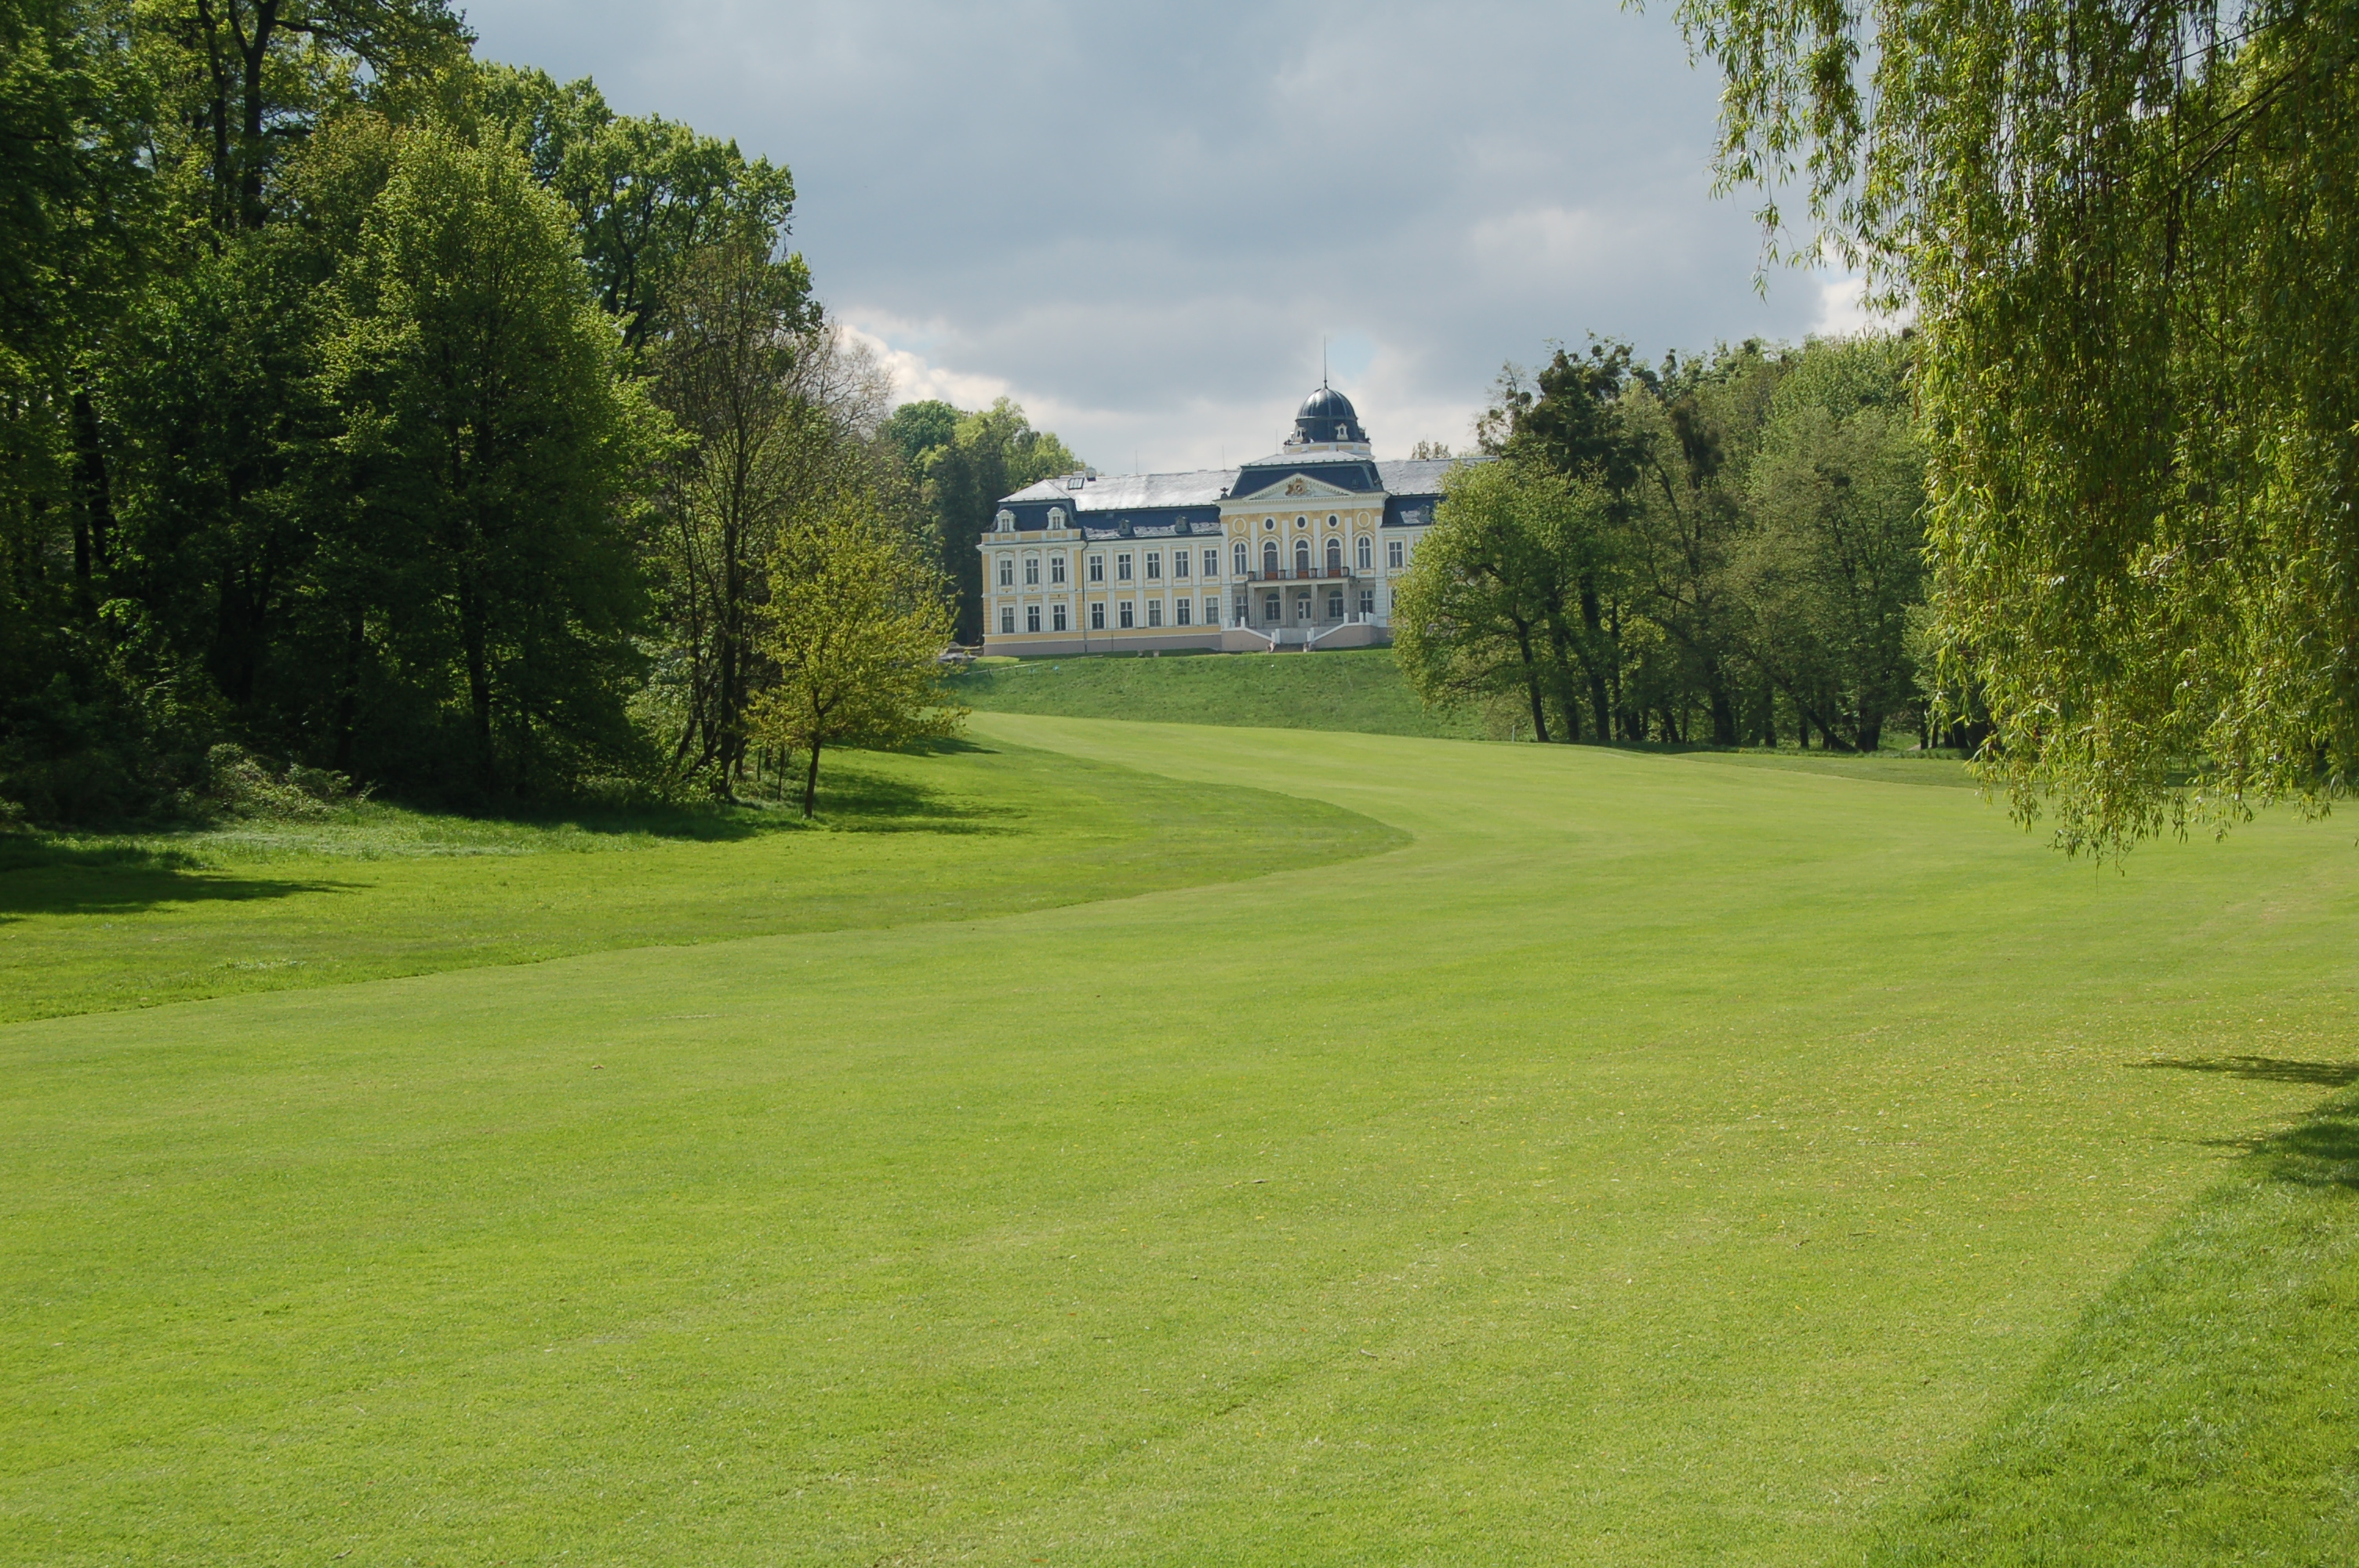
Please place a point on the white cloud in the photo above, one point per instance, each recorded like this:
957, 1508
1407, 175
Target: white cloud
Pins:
1140, 221
1842, 310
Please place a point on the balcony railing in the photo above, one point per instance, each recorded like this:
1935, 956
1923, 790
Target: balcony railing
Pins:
1300, 574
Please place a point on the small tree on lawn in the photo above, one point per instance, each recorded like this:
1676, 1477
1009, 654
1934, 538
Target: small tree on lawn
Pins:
856, 620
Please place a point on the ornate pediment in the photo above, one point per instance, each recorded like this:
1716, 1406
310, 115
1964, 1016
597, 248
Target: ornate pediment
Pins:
1301, 489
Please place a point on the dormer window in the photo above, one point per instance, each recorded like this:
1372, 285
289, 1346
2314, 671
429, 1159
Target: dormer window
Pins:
1055, 518
1005, 522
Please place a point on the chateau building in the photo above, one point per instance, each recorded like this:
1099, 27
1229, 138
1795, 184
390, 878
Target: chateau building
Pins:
1298, 549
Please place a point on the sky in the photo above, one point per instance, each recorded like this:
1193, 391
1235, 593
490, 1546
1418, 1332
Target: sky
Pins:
1147, 223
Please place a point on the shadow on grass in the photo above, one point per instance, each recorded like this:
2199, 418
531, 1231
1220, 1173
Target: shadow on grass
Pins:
853, 800
2266, 1069
2320, 1152
41, 878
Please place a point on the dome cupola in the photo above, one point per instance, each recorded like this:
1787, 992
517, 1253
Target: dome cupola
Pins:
1327, 418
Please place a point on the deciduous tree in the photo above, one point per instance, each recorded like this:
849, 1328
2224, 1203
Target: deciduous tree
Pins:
2130, 236
856, 621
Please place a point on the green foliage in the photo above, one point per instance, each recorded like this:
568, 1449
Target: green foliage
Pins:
1834, 562
647, 193
1720, 548
856, 623
2129, 238
742, 367
320, 409
1490, 605
966, 461
492, 444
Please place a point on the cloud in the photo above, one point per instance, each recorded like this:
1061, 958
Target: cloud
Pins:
1141, 221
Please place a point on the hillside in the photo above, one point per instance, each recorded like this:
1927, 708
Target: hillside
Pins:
1357, 689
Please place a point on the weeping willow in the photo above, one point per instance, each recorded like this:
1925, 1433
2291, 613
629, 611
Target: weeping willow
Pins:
2129, 232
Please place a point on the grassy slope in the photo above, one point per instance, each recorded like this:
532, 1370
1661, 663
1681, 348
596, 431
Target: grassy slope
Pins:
1655, 1162
1357, 689
91, 923
2205, 1410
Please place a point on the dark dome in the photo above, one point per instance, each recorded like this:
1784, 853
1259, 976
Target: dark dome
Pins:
1327, 404
1328, 416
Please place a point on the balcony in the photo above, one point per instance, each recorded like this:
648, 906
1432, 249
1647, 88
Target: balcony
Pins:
1300, 574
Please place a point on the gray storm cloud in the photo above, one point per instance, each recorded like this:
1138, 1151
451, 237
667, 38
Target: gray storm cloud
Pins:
1143, 222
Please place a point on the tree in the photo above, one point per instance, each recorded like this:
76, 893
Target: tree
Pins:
493, 446
1834, 562
1695, 429
2131, 239
989, 454
1573, 417
647, 193
738, 326
856, 620
1483, 610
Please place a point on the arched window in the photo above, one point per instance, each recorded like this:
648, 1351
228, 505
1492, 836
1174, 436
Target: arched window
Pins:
1367, 554
1055, 518
1269, 558
1241, 559
1005, 522
1303, 556
1334, 555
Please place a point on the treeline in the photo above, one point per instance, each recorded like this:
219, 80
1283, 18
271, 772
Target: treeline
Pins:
1727, 550
368, 407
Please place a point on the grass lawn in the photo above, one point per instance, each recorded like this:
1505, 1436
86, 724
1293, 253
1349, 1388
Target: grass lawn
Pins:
1649, 1160
1357, 689
89, 923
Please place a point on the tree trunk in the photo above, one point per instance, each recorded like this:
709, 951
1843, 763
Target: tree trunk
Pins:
479, 683
1601, 708
348, 696
94, 512
1532, 682
810, 782
1568, 701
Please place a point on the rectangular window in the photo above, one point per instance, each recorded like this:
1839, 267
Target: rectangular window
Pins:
1393, 554
1244, 608
1179, 563
1097, 569
1130, 612
1212, 563
1057, 568
1154, 565
1273, 610
1212, 612
1006, 572
1032, 571
1031, 618
1367, 601
1335, 604
1180, 608
1057, 616
1121, 568
1008, 620
1155, 613
1097, 617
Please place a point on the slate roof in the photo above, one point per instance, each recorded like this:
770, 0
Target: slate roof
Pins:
1410, 479
1132, 491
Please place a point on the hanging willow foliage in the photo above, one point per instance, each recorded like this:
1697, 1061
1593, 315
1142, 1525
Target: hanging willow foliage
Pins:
2130, 236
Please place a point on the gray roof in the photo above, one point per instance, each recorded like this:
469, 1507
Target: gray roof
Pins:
1134, 492
1420, 476
1205, 487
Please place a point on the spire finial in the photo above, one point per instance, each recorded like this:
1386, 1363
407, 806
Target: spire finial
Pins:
1322, 363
